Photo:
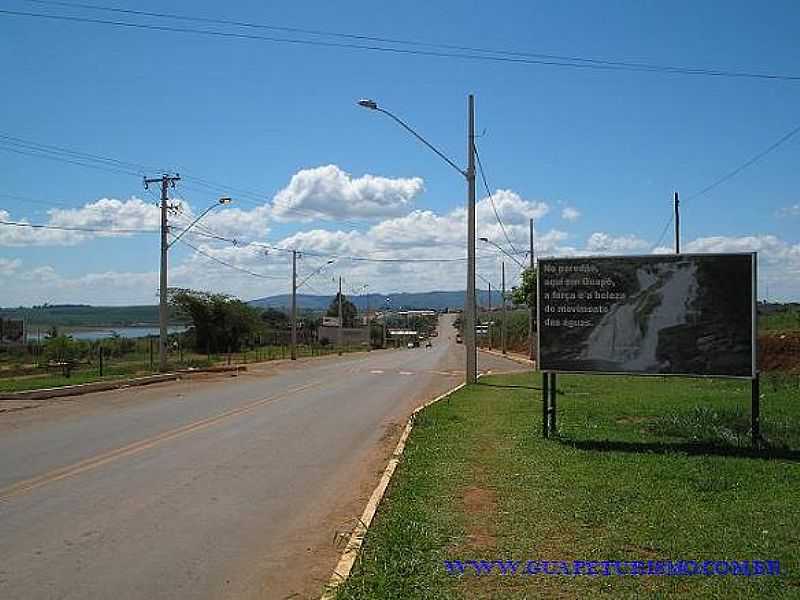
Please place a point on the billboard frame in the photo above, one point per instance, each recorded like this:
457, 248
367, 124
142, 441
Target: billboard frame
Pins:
549, 375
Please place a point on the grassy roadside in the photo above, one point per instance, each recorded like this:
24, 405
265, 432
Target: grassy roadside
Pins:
138, 366
642, 469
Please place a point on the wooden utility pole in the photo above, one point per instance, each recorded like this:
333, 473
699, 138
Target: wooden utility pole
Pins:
166, 181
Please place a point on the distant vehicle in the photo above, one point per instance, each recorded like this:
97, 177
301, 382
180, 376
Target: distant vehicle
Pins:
428, 344
458, 339
410, 344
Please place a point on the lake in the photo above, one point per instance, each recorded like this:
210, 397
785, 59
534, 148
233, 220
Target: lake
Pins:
128, 332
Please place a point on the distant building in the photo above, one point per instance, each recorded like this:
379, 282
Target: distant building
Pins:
351, 336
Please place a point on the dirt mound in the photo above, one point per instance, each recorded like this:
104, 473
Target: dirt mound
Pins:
779, 352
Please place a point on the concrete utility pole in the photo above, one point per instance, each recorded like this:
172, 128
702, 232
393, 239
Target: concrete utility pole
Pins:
469, 174
166, 181
469, 303
503, 328
341, 319
677, 225
531, 311
294, 305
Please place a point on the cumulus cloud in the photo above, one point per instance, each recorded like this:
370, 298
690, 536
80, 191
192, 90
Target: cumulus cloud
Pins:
570, 214
789, 211
8, 266
108, 213
109, 217
602, 243
328, 192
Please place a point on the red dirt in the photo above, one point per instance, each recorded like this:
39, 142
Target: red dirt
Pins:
779, 352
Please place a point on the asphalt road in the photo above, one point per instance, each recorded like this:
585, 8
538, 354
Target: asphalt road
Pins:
226, 488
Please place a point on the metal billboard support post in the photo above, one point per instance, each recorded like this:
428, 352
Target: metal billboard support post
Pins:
755, 411
552, 411
545, 404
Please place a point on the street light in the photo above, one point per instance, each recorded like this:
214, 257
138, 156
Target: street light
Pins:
220, 202
511, 256
163, 314
489, 325
469, 175
295, 287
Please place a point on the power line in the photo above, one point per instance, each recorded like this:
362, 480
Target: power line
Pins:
78, 229
491, 200
576, 62
472, 52
227, 264
730, 175
747, 163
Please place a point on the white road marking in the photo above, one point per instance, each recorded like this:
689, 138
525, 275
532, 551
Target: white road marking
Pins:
376, 372
406, 373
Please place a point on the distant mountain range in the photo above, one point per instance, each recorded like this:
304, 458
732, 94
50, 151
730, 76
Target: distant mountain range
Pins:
414, 301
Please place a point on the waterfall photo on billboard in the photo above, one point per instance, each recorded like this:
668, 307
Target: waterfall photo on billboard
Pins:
657, 314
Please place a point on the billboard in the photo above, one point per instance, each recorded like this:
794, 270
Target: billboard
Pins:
685, 314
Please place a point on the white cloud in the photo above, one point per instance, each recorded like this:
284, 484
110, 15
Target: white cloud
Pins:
328, 192
570, 214
239, 224
9, 266
789, 211
108, 213
20, 235
109, 217
603, 243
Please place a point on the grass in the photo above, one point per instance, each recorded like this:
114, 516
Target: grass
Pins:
642, 469
138, 365
788, 320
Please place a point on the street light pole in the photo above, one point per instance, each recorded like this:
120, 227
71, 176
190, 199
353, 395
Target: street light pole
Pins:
166, 181
469, 303
531, 311
295, 287
339, 332
503, 330
469, 174
489, 324
294, 305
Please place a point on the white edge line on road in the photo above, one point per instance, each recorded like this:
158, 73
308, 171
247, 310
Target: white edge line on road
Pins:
348, 558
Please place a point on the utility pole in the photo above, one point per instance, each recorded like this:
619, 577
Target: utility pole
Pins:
469, 304
166, 181
489, 324
294, 305
503, 329
369, 323
530, 308
341, 319
677, 225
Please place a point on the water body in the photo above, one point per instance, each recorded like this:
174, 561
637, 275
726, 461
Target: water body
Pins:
127, 332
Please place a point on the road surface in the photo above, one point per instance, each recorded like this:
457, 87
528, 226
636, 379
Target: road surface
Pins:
225, 488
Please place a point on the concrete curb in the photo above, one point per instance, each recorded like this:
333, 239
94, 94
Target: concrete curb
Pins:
102, 386
517, 358
351, 551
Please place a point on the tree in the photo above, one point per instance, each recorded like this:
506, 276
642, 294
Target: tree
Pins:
221, 322
525, 294
349, 311
275, 318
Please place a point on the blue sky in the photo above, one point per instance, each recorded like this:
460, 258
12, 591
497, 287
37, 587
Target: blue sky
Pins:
611, 145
